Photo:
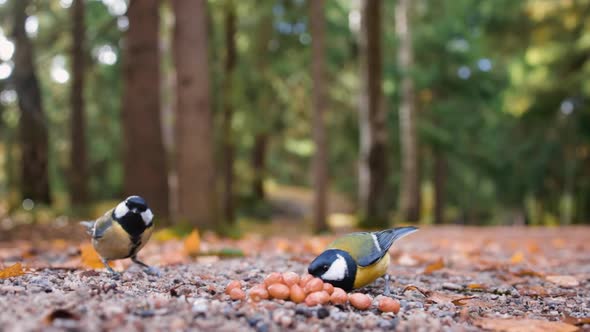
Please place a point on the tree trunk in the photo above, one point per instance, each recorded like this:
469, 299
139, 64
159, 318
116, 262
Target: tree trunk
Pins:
410, 184
33, 123
144, 157
320, 158
194, 141
78, 158
262, 37
372, 116
259, 165
440, 182
227, 132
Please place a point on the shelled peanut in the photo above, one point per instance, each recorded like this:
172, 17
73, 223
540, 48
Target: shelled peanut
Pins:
306, 289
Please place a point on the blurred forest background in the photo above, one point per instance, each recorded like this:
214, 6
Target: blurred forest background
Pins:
330, 111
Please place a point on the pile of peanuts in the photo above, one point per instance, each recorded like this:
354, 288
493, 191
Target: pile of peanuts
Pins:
308, 289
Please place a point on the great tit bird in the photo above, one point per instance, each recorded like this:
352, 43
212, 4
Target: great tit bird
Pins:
357, 259
122, 232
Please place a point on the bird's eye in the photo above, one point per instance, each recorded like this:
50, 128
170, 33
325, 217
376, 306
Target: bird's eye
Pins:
325, 267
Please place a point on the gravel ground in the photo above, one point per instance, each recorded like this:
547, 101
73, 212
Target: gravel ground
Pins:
506, 273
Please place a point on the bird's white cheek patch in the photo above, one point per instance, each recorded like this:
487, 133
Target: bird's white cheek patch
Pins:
337, 271
121, 210
147, 216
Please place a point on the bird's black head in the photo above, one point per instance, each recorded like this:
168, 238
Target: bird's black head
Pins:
134, 215
136, 204
336, 267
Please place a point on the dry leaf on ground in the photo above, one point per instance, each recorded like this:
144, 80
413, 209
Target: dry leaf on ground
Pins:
60, 314
438, 297
90, 257
12, 271
576, 320
524, 325
517, 258
563, 281
439, 264
192, 243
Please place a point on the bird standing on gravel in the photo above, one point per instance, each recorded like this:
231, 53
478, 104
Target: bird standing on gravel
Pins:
122, 232
357, 259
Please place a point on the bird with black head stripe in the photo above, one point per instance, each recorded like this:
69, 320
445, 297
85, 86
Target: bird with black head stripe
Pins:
357, 259
122, 232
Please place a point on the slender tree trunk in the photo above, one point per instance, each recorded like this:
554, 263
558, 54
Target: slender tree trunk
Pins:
227, 132
263, 35
440, 183
78, 158
320, 157
194, 141
146, 173
259, 165
410, 184
372, 116
33, 123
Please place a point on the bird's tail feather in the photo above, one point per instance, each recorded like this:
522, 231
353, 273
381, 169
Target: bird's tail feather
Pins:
387, 237
89, 226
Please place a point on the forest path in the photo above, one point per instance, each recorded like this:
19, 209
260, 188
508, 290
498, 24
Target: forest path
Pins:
464, 278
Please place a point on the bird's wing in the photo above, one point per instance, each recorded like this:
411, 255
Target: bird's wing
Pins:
360, 246
102, 224
367, 248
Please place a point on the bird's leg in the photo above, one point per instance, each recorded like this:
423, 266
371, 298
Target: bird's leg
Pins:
387, 291
148, 269
113, 273
137, 261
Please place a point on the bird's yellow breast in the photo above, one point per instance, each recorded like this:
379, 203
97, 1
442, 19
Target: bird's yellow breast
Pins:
116, 243
368, 274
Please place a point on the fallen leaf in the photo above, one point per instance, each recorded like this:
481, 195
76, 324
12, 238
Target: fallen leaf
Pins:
15, 270
90, 257
527, 273
533, 247
524, 325
575, 320
563, 281
439, 264
60, 314
438, 297
477, 286
517, 258
192, 243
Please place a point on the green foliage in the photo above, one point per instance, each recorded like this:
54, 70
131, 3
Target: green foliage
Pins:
502, 91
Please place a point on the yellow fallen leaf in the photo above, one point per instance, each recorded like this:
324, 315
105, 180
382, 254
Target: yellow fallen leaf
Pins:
90, 258
517, 258
575, 320
563, 281
439, 264
477, 286
192, 243
524, 325
15, 270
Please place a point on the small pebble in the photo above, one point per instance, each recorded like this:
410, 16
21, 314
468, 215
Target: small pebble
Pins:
200, 306
452, 286
323, 313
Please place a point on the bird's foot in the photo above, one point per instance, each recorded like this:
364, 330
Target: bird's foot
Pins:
150, 270
387, 291
114, 274
153, 271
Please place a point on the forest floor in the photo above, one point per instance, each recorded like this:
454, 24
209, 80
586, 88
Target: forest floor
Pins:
445, 278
